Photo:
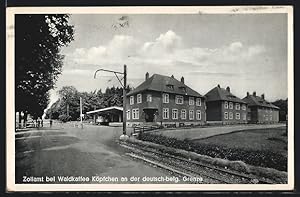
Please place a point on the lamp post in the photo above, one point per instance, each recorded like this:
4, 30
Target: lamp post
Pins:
124, 91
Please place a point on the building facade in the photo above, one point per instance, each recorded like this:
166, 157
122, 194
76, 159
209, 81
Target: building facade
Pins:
225, 108
260, 110
165, 101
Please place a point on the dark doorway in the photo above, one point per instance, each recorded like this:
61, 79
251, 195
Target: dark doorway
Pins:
149, 114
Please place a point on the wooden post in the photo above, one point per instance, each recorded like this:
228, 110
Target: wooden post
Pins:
124, 100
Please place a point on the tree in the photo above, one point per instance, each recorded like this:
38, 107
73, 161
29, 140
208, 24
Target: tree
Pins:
70, 100
68, 103
38, 61
283, 105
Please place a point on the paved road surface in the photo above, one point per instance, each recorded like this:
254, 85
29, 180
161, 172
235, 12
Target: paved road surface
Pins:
200, 133
65, 150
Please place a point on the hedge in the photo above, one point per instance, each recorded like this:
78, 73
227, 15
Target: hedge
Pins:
267, 159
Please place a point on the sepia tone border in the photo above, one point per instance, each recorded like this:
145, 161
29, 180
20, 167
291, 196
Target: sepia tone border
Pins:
10, 97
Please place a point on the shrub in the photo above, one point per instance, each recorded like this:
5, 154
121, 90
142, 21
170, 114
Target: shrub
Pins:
258, 158
64, 118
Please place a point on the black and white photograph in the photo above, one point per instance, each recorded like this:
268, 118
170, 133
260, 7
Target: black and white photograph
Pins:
150, 98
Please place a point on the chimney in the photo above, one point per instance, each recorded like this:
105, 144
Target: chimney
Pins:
172, 76
247, 93
263, 96
228, 89
219, 86
182, 79
147, 76
254, 93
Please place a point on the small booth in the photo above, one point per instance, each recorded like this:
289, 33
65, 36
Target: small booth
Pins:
107, 115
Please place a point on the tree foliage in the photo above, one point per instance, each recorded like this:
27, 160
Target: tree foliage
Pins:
69, 101
283, 105
38, 61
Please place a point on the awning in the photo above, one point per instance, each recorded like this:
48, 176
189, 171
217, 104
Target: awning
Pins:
112, 110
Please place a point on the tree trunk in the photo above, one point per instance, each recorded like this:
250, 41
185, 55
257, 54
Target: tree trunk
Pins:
20, 120
25, 119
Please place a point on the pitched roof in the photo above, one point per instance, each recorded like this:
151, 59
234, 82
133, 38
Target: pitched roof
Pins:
220, 94
258, 101
162, 83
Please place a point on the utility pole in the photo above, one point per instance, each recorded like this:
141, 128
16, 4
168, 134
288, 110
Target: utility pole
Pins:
81, 113
124, 73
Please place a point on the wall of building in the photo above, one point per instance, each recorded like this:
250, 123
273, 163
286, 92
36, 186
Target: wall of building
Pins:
157, 103
264, 115
214, 111
234, 111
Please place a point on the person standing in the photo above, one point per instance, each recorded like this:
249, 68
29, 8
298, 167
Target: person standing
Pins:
38, 122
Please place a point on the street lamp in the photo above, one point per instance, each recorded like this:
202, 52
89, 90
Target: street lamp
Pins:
124, 91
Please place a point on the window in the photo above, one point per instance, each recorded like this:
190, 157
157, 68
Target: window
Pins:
170, 87
175, 114
139, 98
230, 115
165, 98
230, 105
183, 114
191, 101
149, 98
237, 106
198, 115
226, 105
198, 101
243, 107
135, 113
226, 115
165, 113
179, 99
191, 114
244, 116
131, 100
128, 114
237, 116
182, 89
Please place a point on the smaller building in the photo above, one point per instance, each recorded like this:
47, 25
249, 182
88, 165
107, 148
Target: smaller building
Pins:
260, 110
107, 115
225, 108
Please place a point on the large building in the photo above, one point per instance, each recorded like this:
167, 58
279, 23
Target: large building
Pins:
224, 107
165, 101
260, 110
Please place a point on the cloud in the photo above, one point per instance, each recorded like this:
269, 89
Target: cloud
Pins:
163, 46
119, 48
168, 53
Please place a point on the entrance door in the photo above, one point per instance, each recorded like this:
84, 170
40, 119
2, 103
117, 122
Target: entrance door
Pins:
149, 115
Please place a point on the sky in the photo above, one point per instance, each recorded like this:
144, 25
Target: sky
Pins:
247, 52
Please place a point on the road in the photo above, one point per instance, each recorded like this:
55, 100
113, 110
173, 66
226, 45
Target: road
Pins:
66, 150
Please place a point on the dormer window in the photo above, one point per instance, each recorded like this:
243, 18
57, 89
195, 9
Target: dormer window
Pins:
170, 87
183, 89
